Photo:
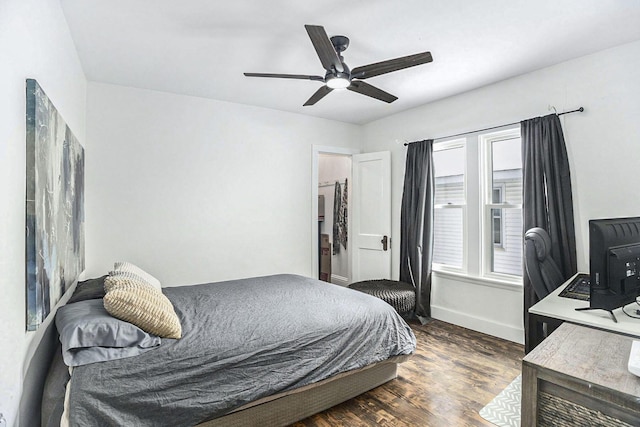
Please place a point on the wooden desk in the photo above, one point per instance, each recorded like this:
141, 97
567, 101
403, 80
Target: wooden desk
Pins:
578, 377
554, 309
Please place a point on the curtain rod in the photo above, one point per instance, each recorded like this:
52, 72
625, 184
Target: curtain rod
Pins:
580, 110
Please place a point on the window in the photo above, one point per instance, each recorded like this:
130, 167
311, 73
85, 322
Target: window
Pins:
449, 203
478, 206
503, 202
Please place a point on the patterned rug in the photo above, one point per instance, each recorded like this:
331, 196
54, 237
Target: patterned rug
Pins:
504, 409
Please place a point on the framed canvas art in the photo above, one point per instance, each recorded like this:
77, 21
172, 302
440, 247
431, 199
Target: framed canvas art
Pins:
54, 206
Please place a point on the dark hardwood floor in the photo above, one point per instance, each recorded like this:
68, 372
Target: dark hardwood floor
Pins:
454, 373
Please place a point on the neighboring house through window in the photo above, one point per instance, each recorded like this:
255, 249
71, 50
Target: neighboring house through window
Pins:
496, 215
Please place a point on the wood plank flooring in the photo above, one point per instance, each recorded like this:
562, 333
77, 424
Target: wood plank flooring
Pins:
454, 373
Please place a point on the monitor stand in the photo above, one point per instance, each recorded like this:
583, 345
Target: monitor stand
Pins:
613, 316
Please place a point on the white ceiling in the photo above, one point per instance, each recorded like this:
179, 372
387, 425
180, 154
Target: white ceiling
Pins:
202, 47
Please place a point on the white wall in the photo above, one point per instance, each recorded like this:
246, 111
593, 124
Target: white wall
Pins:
195, 190
34, 43
332, 168
602, 143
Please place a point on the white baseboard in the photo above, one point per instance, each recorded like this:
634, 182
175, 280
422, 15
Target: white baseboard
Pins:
479, 324
339, 280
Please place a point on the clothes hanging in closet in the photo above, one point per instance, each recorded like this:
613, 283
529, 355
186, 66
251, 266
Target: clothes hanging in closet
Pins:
340, 216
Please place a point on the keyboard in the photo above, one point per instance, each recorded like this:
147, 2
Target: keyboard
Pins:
578, 288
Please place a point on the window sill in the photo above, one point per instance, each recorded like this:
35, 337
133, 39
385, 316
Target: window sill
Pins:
510, 285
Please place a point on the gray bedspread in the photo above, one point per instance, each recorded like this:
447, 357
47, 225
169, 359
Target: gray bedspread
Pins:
242, 340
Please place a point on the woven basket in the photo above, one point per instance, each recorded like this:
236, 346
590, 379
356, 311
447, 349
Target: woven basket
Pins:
400, 295
557, 412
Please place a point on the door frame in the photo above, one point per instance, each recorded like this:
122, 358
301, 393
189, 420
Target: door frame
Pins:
316, 150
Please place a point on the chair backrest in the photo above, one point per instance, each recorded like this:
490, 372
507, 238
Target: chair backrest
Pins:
543, 272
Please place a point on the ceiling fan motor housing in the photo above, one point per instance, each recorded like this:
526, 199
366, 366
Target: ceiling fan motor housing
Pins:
340, 43
346, 74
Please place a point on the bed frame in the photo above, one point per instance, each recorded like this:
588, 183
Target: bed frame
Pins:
40, 354
286, 408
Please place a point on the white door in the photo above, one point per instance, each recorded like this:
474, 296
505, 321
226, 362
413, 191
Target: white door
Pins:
371, 220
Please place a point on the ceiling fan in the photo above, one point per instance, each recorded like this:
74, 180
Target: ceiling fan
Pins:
338, 75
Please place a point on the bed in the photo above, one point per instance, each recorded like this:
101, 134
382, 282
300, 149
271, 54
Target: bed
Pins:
260, 351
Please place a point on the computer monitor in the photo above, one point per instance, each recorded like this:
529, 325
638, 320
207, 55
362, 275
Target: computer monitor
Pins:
614, 262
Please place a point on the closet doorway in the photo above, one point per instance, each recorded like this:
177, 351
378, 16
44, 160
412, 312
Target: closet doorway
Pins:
367, 221
331, 216
334, 197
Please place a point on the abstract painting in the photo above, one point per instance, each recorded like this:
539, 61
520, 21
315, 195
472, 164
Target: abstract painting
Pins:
54, 206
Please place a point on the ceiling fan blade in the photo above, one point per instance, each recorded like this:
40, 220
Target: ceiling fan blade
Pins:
396, 64
320, 93
286, 76
372, 91
324, 48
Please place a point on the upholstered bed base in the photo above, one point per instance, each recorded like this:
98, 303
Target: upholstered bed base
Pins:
286, 408
352, 329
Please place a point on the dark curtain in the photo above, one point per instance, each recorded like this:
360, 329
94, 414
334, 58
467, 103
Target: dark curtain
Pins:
547, 200
416, 224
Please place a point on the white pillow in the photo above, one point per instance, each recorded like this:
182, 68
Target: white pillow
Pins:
127, 267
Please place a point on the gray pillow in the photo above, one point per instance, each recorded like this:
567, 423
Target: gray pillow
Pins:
89, 334
88, 289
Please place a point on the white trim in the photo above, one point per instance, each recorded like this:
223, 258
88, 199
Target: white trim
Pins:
339, 280
444, 268
315, 151
502, 206
500, 281
486, 188
479, 324
330, 183
449, 145
450, 206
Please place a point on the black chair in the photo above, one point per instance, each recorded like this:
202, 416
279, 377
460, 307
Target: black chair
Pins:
543, 272
545, 277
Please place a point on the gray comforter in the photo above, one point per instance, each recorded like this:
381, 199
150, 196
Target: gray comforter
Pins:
242, 340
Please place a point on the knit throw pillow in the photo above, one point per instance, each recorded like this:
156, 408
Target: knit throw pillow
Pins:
137, 302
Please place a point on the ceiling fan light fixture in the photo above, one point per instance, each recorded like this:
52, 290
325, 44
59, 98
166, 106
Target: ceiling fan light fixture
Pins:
338, 82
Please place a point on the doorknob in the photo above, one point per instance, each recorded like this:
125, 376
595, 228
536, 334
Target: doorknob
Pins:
385, 242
